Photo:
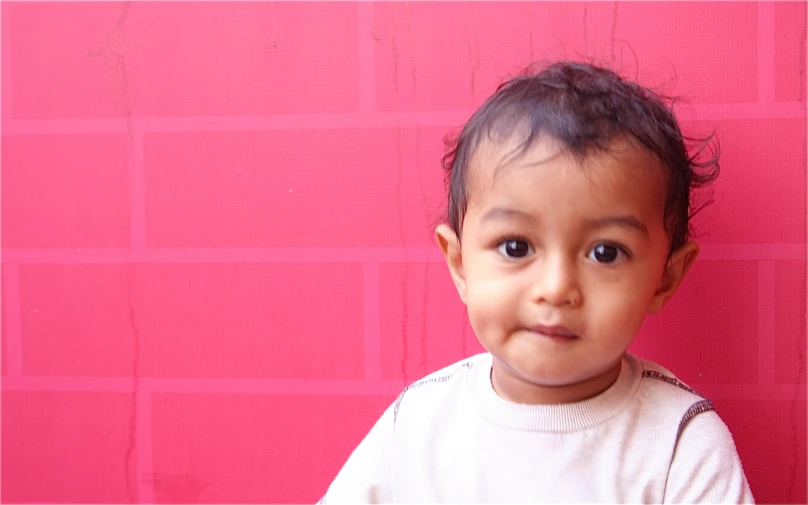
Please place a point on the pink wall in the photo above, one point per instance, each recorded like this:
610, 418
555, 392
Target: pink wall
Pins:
217, 257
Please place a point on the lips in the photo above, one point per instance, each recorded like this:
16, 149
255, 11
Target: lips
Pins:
556, 331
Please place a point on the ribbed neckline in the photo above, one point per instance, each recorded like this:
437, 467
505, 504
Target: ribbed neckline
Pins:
552, 418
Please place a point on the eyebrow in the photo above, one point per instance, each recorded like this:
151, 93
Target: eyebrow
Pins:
505, 214
629, 222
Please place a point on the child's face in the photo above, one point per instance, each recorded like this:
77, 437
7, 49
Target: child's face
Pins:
559, 262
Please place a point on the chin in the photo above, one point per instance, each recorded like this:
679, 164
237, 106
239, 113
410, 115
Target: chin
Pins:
550, 375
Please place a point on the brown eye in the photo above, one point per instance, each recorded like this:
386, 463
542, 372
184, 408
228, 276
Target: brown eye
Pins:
605, 253
514, 248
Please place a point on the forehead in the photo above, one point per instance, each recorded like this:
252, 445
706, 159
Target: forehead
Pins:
622, 175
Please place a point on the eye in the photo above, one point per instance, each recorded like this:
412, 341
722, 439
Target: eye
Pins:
606, 253
514, 248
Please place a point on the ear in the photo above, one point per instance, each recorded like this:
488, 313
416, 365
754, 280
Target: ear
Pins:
678, 265
449, 244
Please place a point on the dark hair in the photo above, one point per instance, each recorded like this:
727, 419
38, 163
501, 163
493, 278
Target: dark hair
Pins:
586, 107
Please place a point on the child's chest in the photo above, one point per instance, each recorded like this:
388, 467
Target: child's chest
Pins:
477, 462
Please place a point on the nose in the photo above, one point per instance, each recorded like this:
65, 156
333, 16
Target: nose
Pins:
556, 282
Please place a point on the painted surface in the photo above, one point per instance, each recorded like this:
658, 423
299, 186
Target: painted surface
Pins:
217, 254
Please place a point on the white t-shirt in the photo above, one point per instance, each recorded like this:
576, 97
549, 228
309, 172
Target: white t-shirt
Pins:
450, 438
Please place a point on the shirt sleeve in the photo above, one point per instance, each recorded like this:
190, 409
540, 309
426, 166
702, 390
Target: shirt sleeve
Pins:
706, 467
364, 478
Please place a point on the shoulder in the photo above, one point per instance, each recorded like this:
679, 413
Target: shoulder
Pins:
666, 385
656, 376
665, 396
437, 387
706, 467
704, 463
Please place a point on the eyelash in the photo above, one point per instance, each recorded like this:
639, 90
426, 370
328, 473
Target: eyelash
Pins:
620, 248
510, 238
515, 238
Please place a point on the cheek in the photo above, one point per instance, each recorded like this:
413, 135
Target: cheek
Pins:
625, 290
620, 315
490, 301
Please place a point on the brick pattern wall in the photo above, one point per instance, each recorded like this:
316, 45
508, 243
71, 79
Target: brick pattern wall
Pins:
217, 254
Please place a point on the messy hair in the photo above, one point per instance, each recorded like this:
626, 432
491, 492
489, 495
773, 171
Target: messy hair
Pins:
585, 108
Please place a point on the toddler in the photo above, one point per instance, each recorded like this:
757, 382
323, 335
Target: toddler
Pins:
569, 198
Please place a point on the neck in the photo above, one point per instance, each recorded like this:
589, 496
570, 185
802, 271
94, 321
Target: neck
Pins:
515, 388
